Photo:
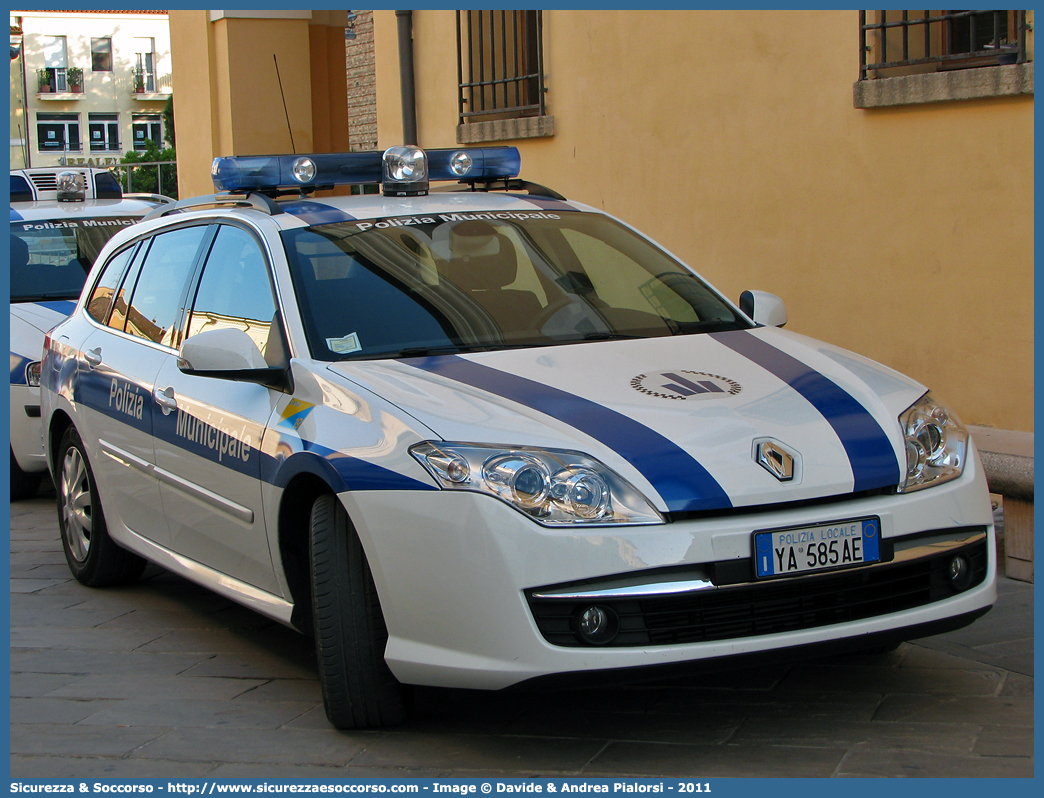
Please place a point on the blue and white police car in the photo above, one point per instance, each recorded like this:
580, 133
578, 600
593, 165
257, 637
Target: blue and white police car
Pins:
60, 219
488, 437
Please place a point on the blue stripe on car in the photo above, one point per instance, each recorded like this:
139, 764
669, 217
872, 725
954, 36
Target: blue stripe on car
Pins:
870, 453
63, 306
342, 471
680, 480
18, 364
193, 434
316, 212
16, 216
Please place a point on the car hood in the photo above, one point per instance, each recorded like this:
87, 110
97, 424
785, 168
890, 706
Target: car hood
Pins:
682, 418
43, 316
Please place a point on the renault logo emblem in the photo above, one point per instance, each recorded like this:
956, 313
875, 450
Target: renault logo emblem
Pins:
771, 456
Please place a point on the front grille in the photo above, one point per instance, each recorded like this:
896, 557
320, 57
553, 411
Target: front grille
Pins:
784, 605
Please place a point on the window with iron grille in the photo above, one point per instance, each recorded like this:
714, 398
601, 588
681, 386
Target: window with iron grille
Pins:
905, 42
500, 69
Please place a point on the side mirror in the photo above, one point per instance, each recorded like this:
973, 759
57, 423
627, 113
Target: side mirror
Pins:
230, 354
767, 310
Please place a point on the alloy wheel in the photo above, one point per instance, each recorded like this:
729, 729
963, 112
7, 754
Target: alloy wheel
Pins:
76, 504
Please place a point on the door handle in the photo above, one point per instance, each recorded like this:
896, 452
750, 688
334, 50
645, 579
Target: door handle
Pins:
165, 399
93, 357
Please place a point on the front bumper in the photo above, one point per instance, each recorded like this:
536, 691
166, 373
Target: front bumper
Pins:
456, 571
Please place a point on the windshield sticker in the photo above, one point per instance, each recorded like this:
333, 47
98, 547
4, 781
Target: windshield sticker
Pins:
406, 221
344, 346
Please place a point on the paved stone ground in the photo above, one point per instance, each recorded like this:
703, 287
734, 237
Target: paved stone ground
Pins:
164, 679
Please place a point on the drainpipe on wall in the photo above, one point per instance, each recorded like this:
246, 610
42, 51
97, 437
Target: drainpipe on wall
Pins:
404, 19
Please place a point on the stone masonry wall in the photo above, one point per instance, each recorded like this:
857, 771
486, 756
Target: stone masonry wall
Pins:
362, 85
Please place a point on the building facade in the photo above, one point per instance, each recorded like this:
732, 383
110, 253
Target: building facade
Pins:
262, 81
877, 174
87, 86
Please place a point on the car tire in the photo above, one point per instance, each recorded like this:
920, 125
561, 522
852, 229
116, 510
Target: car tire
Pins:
94, 558
359, 690
23, 485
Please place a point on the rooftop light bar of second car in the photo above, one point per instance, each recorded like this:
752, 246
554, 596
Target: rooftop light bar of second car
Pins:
318, 170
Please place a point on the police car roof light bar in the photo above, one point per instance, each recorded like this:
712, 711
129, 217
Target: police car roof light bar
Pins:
275, 174
478, 163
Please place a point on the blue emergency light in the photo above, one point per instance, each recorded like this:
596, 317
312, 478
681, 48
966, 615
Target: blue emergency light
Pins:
403, 171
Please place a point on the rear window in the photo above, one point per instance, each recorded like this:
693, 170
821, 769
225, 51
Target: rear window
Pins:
51, 259
21, 191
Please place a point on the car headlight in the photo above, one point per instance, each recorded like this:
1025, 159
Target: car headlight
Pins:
554, 487
936, 444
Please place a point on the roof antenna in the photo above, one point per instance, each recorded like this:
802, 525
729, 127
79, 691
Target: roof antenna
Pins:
280, 80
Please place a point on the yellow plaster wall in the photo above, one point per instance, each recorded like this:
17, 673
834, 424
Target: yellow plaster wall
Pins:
196, 121
904, 234
236, 106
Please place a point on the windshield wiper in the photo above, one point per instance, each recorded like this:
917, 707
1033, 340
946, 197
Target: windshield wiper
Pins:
411, 351
608, 336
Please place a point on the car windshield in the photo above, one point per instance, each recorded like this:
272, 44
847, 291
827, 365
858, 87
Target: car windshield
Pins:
410, 286
50, 259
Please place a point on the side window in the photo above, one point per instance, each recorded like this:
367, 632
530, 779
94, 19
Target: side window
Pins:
118, 317
235, 290
101, 297
156, 301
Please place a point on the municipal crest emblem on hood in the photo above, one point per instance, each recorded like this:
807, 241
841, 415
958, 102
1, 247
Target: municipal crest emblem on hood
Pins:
682, 384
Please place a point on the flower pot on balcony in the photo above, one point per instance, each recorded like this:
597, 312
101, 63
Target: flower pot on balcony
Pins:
74, 76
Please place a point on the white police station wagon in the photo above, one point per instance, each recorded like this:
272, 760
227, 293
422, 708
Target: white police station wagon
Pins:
60, 219
489, 437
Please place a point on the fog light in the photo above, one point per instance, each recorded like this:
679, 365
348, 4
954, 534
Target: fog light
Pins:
960, 573
597, 625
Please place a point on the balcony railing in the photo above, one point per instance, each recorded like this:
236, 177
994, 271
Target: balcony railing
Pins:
57, 81
946, 39
150, 83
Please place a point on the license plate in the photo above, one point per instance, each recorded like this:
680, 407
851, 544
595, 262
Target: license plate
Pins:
800, 550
